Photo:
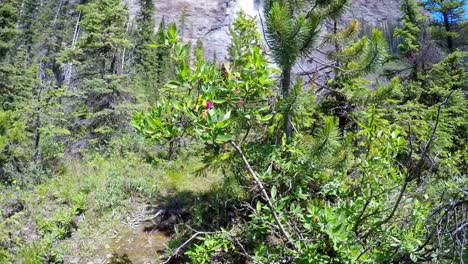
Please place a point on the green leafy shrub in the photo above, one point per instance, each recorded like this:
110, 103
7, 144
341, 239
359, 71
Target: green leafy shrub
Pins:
349, 187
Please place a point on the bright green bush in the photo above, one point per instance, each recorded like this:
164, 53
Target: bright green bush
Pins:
349, 188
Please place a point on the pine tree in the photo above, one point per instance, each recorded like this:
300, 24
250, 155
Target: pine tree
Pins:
144, 34
29, 75
451, 12
410, 30
153, 65
30, 24
8, 36
104, 26
357, 57
165, 65
8, 31
99, 85
145, 63
440, 96
15, 121
292, 32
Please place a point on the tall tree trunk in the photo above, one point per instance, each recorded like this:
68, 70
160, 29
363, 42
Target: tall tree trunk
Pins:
43, 83
59, 8
37, 137
103, 68
112, 64
171, 149
449, 31
286, 87
335, 31
122, 66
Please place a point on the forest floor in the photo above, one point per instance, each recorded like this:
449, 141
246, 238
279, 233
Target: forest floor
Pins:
103, 210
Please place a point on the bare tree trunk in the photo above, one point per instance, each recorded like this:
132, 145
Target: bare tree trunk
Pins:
122, 67
171, 149
286, 87
103, 68
335, 31
57, 12
449, 31
42, 77
112, 64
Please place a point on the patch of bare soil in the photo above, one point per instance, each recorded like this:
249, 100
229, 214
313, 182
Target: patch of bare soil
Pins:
139, 246
126, 241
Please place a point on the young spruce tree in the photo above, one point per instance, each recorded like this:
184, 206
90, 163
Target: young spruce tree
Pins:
410, 30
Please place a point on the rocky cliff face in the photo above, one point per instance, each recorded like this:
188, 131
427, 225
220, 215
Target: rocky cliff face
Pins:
374, 12
209, 20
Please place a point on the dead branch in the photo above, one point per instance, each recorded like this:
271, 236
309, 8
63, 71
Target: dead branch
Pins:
176, 252
259, 184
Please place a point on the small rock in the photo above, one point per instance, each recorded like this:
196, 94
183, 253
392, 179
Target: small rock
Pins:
12, 207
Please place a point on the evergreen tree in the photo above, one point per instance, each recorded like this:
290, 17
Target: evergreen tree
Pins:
165, 65
97, 113
410, 30
104, 26
356, 57
417, 50
30, 24
30, 96
152, 64
451, 13
144, 34
8, 31
16, 148
292, 32
8, 36
145, 62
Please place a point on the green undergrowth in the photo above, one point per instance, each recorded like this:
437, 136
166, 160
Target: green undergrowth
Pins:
73, 213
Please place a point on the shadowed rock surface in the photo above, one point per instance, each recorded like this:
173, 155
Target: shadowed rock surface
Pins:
12, 207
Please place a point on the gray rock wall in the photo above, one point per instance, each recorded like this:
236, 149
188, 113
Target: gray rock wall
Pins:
374, 12
209, 20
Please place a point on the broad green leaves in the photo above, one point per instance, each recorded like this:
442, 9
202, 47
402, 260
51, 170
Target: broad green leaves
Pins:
214, 104
349, 197
161, 123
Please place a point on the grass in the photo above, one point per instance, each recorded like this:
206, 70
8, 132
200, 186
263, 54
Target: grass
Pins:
183, 176
68, 217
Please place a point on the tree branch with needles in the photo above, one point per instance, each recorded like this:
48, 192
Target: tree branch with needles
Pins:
415, 171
